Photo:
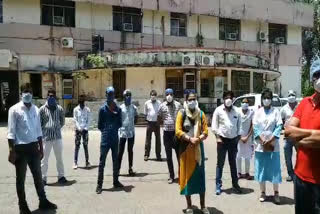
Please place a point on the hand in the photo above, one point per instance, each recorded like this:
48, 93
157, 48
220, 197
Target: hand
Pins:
195, 140
12, 157
290, 132
244, 139
219, 140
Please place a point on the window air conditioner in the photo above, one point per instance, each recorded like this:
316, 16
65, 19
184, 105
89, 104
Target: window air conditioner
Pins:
67, 42
128, 27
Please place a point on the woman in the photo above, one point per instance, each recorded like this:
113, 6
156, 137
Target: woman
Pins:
191, 130
267, 125
245, 149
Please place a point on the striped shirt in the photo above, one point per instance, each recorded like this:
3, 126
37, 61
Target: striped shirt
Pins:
168, 113
51, 122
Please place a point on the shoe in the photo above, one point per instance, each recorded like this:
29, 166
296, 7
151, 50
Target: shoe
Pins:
289, 179
88, 165
24, 209
276, 198
99, 189
263, 197
62, 180
131, 173
146, 158
205, 211
44, 182
248, 177
170, 181
75, 166
118, 185
218, 189
240, 176
159, 159
189, 211
237, 189
47, 205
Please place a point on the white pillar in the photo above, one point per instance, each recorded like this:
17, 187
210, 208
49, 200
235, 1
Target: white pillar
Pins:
229, 79
251, 81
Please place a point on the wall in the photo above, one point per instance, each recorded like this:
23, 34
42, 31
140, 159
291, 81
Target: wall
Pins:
209, 27
147, 22
250, 29
21, 11
290, 79
294, 35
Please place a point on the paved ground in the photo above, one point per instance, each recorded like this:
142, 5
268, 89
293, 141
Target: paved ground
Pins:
147, 193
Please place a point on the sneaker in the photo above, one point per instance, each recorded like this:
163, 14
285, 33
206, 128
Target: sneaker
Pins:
24, 209
146, 158
62, 180
189, 211
47, 205
263, 197
276, 198
289, 179
75, 166
88, 165
248, 177
237, 189
205, 211
99, 189
218, 190
170, 181
118, 185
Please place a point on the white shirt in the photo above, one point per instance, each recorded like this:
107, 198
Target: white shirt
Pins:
24, 125
81, 118
151, 110
245, 121
226, 124
287, 112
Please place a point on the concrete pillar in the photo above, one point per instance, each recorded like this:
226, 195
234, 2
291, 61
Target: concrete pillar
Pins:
229, 78
251, 81
198, 82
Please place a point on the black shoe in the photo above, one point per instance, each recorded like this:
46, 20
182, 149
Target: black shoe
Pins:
62, 180
44, 182
24, 209
289, 179
99, 189
159, 159
237, 189
131, 173
47, 205
117, 185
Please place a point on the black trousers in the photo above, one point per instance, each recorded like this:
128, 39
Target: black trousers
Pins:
28, 155
170, 144
122, 146
307, 197
153, 127
85, 138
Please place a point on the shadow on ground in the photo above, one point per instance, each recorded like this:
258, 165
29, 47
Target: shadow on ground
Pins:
88, 168
56, 184
283, 200
245, 191
137, 175
156, 160
44, 212
124, 189
212, 210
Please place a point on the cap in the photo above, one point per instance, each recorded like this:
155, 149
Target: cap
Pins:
110, 89
169, 91
127, 92
315, 68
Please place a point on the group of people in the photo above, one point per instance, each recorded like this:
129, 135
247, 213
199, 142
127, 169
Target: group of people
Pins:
240, 132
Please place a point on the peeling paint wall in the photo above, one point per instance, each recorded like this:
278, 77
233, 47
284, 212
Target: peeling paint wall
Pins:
21, 11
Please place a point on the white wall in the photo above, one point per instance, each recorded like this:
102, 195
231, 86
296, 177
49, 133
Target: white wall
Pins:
209, 27
94, 16
147, 22
294, 35
21, 11
249, 30
290, 79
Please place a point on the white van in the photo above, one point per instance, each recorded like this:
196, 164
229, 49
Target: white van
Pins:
255, 101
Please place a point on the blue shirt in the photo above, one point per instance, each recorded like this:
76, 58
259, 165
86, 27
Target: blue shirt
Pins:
128, 114
109, 123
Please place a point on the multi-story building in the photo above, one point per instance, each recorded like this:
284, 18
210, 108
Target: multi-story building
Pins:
206, 45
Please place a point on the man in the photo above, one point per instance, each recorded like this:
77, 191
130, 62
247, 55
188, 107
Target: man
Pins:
109, 122
25, 146
127, 132
304, 131
167, 113
226, 127
52, 120
286, 114
81, 117
151, 109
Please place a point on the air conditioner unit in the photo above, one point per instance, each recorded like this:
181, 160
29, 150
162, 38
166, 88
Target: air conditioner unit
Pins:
207, 60
128, 27
58, 20
262, 36
279, 40
232, 36
67, 42
188, 60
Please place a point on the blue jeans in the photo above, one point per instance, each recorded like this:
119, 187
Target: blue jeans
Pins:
230, 146
288, 147
104, 149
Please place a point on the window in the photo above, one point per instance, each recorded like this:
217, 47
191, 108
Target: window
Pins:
1, 12
257, 82
190, 80
127, 19
240, 82
178, 24
277, 33
213, 82
67, 89
58, 13
174, 80
119, 83
36, 84
229, 29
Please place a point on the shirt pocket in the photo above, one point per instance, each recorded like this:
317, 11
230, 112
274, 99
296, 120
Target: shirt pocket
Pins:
22, 120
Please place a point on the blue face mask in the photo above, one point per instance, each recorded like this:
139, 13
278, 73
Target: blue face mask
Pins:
127, 100
52, 101
110, 97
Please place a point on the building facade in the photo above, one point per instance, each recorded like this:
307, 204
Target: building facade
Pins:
205, 45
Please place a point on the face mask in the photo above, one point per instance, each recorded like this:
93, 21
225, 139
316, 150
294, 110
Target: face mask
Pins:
192, 104
316, 85
228, 102
153, 98
127, 100
244, 106
52, 101
291, 99
169, 98
267, 102
26, 97
110, 97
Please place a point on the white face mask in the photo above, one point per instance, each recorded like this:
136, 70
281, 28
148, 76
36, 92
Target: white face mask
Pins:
153, 98
26, 97
291, 99
192, 104
316, 85
228, 102
244, 106
267, 102
169, 98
